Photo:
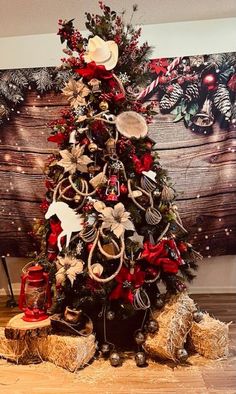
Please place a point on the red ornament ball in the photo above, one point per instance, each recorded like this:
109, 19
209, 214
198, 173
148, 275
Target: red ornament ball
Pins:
183, 247
149, 145
89, 246
162, 79
209, 81
123, 189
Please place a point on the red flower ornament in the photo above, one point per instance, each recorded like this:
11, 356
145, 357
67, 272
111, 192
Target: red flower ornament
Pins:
126, 283
159, 255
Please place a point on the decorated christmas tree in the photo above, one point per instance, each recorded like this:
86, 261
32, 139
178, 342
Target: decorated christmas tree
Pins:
112, 232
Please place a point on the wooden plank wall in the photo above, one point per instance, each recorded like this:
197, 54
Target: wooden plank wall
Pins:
203, 170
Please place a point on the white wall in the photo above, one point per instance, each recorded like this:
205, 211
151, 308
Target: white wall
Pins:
169, 40
215, 275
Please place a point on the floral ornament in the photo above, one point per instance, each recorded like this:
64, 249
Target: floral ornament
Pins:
164, 254
68, 267
76, 91
74, 160
127, 282
143, 163
158, 65
116, 219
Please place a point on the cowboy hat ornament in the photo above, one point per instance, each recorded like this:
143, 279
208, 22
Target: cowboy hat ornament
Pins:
102, 52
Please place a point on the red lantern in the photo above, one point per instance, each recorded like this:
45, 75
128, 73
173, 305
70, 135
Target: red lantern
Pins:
35, 296
113, 189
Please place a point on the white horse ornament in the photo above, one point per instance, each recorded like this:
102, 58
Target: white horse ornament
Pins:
70, 221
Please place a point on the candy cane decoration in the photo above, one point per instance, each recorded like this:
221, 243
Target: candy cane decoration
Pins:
154, 83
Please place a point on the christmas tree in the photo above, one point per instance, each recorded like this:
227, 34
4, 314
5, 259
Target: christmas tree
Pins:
112, 232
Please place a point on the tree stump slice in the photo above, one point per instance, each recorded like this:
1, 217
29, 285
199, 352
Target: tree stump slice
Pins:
17, 328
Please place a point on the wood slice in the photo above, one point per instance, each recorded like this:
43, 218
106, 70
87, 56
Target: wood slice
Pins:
17, 328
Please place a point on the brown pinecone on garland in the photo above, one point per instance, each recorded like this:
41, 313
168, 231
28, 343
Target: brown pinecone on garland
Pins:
221, 100
192, 92
233, 116
4, 110
171, 98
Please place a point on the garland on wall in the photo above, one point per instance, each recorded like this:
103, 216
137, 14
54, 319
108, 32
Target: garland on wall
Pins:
200, 90
15, 83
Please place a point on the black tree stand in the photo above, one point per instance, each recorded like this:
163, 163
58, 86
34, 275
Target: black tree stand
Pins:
11, 302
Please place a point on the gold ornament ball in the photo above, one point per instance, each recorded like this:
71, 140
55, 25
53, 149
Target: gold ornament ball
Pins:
103, 105
77, 198
92, 147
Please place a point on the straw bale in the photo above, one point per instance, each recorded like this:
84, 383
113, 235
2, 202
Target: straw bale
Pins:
69, 352
175, 321
210, 338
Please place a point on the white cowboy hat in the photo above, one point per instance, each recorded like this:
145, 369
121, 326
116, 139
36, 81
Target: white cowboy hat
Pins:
102, 52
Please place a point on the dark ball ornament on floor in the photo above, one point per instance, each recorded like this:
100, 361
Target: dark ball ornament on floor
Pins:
182, 355
115, 359
105, 349
140, 359
152, 326
198, 316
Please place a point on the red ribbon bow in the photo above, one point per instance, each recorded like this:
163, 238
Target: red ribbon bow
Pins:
127, 282
92, 70
52, 239
159, 255
59, 138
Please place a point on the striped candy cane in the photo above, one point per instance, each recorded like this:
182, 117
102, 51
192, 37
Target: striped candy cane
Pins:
154, 83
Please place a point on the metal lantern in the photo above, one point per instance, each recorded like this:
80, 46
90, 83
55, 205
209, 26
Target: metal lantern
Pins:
35, 296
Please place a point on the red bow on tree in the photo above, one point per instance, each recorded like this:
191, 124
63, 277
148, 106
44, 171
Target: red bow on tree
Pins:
92, 70
159, 255
59, 138
127, 282
142, 164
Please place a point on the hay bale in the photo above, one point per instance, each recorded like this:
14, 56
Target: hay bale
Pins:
210, 338
18, 351
69, 352
175, 321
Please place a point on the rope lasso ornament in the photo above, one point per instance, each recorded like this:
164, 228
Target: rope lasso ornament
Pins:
119, 255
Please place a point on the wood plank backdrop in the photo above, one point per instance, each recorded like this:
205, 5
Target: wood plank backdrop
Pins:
203, 170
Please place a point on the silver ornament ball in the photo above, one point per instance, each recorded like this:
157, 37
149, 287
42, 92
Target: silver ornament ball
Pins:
140, 359
198, 316
115, 359
182, 355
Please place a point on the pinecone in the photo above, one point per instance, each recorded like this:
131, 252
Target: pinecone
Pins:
4, 110
223, 60
192, 92
170, 99
233, 117
222, 101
